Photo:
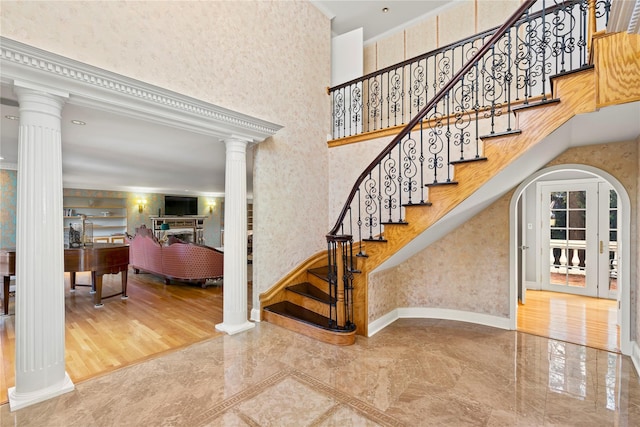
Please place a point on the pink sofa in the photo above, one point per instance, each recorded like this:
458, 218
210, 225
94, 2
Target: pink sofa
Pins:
184, 262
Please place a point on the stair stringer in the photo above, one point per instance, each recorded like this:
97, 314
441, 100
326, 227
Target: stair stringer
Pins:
578, 95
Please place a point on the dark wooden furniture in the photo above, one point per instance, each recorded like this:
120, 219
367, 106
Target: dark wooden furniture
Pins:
99, 259
7, 269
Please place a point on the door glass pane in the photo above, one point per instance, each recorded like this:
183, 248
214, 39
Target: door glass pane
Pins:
577, 199
568, 237
613, 241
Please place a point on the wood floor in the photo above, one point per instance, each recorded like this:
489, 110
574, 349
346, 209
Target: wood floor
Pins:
155, 319
581, 320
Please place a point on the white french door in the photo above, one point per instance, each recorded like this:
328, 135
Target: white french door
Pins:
578, 237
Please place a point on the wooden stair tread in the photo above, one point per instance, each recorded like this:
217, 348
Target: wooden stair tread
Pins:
308, 290
321, 272
301, 314
298, 319
440, 183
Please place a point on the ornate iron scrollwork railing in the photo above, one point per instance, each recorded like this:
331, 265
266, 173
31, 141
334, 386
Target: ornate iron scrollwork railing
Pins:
392, 96
470, 91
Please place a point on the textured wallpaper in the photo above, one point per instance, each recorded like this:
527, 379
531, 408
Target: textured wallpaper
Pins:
268, 59
8, 202
468, 269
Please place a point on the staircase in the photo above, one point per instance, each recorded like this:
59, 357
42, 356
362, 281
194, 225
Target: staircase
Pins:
310, 299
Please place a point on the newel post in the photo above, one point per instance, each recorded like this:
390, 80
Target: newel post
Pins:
591, 24
340, 277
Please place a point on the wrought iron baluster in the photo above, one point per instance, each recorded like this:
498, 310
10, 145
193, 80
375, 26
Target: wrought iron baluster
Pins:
508, 79
380, 202
359, 224
333, 284
448, 101
370, 205
544, 45
422, 183
390, 170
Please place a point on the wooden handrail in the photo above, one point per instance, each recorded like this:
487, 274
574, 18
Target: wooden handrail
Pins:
331, 236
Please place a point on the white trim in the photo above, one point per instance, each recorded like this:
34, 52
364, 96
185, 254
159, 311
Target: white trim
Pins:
235, 329
635, 356
22, 400
382, 322
534, 286
437, 313
624, 222
255, 315
8, 166
94, 87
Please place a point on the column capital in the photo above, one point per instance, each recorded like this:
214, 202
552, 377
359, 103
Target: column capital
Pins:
233, 139
23, 88
40, 100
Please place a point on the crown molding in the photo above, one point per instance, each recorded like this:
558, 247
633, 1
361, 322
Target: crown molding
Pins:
8, 166
97, 88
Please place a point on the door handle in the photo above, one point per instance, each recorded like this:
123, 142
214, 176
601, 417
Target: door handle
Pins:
601, 247
524, 247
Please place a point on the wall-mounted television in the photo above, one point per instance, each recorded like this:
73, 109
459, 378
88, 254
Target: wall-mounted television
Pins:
180, 205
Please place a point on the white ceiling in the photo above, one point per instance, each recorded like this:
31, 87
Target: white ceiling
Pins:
350, 15
116, 152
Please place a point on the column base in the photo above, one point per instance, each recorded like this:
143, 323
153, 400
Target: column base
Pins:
235, 329
22, 400
255, 315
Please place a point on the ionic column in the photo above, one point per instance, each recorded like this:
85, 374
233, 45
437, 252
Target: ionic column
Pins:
39, 318
235, 239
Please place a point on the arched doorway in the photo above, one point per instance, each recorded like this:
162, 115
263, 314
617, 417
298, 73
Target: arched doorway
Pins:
521, 225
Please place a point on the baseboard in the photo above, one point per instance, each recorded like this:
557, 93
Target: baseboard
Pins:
437, 313
532, 286
635, 356
255, 315
382, 322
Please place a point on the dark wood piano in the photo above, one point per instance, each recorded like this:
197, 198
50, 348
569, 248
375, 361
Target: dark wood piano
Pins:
99, 259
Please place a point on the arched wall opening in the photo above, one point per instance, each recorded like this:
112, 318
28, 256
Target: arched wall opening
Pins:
572, 171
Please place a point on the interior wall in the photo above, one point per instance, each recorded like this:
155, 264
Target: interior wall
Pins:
637, 258
270, 60
8, 203
468, 269
451, 24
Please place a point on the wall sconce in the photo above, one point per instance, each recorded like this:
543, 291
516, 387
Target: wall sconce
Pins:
142, 203
212, 205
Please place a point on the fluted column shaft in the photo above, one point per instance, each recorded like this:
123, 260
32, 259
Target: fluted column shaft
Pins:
39, 313
235, 239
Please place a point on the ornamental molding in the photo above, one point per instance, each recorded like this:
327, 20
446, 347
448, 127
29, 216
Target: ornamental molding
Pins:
94, 87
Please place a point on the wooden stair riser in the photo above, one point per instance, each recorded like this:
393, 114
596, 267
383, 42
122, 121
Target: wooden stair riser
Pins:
319, 283
308, 303
278, 292
310, 331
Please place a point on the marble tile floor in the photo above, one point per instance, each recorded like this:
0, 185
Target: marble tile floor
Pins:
416, 372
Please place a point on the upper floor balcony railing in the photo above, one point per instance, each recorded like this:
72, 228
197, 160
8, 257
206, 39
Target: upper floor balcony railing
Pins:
551, 40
